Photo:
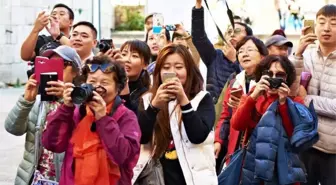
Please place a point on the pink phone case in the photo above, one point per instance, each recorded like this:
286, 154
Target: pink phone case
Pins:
46, 65
305, 78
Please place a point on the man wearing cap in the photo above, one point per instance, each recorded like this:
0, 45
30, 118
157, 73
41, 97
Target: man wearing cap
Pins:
22, 119
279, 45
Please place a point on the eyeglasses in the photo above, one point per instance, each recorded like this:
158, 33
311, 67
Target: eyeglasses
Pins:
281, 75
248, 50
105, 68
235, 31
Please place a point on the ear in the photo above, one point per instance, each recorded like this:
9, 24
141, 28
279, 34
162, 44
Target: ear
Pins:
71, 23
95, 42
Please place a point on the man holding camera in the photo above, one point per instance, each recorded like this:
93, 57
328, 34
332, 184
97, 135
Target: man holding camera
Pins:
60, 21
23, 118
320, 62
102, 141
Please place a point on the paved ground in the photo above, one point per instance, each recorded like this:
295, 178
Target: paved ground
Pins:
11, 147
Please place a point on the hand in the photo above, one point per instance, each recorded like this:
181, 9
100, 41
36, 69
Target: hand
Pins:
230, 52
68, 88
218, 148
181, 31
305, 40
54, 29
175, 87
283, 92
114, 54
162, 97
56, 88
41, 22
302, 91
31, 89
198, 4
98, 106
262, 86
233, 101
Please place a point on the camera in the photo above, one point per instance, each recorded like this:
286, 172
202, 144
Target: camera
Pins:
275, 83
104, 45
82, 94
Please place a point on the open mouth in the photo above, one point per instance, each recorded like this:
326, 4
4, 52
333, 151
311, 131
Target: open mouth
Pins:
77, 45
155, 48
246, 61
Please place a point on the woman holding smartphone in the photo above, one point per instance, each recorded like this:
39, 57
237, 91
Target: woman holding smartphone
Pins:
176, 119
250, 52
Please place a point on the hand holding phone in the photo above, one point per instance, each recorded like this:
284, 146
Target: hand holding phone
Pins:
238, 93
158, 22
45, 78
311, 25
46, 65
168, 76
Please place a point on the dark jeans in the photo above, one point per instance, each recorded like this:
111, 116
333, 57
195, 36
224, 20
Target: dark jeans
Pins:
320, 166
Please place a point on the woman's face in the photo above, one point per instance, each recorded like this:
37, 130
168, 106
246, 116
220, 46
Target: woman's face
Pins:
277, 70
156, 42
134, 63
174, 63
249, 57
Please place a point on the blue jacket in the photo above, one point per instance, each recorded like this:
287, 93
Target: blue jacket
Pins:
219, 67
270, 156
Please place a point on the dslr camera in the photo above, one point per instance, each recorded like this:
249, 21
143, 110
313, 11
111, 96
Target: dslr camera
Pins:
275, 83
82, 94
104, 45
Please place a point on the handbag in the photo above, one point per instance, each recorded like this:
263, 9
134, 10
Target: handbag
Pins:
38, 178
231, 174
152, 174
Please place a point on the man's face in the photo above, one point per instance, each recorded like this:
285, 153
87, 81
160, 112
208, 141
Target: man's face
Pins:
236, 35
83, 40
180, 41
62, 14
326, 30
149, 23
105, 80
278, 50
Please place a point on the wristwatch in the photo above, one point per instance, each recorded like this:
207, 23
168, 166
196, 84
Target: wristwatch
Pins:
58, 38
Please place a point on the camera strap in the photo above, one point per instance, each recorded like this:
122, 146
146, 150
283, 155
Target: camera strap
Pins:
230, 15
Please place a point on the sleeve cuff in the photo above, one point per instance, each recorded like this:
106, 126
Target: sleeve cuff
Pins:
25, 103
186, 108
65, 108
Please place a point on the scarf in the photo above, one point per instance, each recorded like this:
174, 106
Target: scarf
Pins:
92, 165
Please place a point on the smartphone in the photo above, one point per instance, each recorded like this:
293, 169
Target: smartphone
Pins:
237, 92
311, 24
46, 65
167, 76
158, 22
45, 78
171, 27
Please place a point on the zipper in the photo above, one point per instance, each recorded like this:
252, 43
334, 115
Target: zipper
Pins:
319, 84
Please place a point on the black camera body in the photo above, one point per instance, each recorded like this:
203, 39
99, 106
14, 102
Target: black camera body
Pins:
82, 94
104, 45
275, 83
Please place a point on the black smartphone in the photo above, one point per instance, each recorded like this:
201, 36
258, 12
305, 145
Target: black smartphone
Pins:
44, 79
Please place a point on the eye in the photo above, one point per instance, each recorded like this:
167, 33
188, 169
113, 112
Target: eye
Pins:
135, 56
124, 54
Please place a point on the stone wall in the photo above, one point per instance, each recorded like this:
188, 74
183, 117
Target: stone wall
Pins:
16, 21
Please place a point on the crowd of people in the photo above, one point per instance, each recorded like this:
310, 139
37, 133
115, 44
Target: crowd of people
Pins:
147, 114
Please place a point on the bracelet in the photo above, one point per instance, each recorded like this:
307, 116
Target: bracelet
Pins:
59, 36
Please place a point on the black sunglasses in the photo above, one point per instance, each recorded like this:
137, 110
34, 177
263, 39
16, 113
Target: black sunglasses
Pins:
281, 75
105, 68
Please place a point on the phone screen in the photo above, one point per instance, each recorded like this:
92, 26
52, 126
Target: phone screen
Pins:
158, 22
45, 78
237, 92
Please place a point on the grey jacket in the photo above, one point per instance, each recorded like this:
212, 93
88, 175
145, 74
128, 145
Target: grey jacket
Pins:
22, 119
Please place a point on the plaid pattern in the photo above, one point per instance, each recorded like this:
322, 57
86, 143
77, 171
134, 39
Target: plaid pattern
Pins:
40, 180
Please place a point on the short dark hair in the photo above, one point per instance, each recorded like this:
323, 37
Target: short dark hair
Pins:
327, 11
237, 17
259, 44
175, 35
71, 13
144, 52
120, 77
249, 31
88, 24
149, 16
166, 33
285, 63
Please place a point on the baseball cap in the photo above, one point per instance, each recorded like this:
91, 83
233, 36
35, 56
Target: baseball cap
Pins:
278, 40
67, 53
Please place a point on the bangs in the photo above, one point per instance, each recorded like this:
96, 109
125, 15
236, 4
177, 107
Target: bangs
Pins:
327, 11
139, 47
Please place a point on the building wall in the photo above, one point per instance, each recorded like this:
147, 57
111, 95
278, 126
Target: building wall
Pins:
17, 18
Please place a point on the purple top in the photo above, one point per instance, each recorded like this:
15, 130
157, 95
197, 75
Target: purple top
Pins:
120, 135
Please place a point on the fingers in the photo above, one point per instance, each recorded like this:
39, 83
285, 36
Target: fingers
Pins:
284, 85
41, 13
31, 83
303, 31
234, 98
56, 83
263, 81
69, 85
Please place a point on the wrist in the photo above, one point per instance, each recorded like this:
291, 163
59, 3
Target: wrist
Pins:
184, 101
282, 101
254, 95
29, 99
198, 5
58, 36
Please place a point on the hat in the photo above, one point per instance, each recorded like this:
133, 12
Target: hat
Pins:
67, 53
278, 40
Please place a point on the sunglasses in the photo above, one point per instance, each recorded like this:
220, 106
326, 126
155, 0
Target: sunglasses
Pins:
235, 31
281, 75
105, 68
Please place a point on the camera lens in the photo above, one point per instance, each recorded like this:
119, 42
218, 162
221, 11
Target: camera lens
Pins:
79, 95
